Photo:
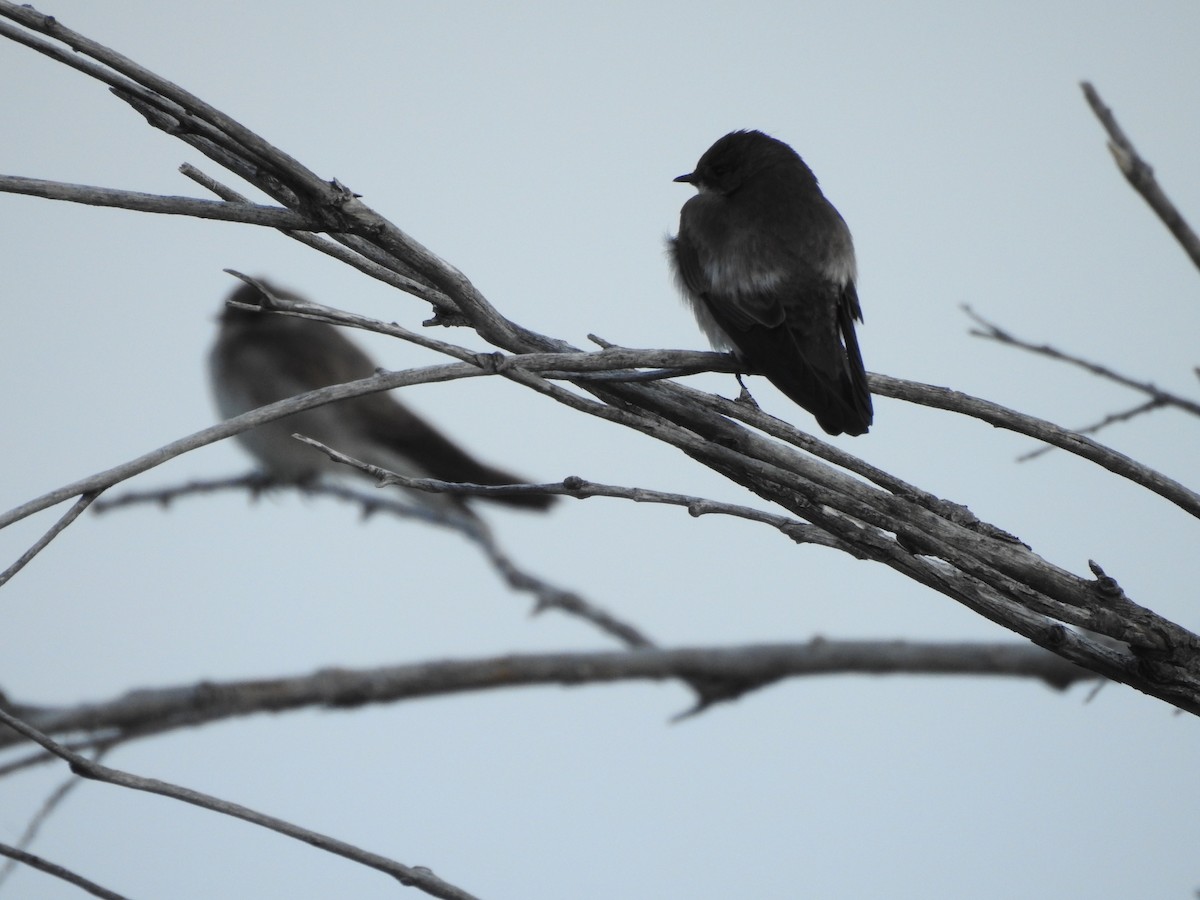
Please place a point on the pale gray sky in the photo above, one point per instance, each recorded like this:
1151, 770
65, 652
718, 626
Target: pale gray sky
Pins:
533, 146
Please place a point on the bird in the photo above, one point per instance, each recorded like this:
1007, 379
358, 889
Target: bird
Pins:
260, 357
767, 265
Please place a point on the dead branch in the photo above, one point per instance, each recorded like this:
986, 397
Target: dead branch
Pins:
981, 567
1140, 176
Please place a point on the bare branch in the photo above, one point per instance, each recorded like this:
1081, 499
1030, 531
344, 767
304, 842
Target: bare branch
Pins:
859, 516
122, 73
482, 364
257, 482
937, 545
992, 332
621, 363
1141, 176
42, 757
359, 259
17, 855
546, 596
1055, 435
1124, 415
51, 803
576, 487
254, 482
103, 480
68, 517
410, 876
143, 712
249, 213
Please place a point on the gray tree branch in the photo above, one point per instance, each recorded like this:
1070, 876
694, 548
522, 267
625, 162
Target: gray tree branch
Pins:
17, 855
146, 712
411, 876
977, 564
1140, 176
249, 213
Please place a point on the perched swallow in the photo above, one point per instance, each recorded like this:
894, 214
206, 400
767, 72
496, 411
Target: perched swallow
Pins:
262, 357
767, 265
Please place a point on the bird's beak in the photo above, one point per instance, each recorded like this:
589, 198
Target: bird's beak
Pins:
689, 178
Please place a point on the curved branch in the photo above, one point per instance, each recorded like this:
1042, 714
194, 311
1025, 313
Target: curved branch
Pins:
106, 479
411, 876
1123, 415
1073, 442
17, 855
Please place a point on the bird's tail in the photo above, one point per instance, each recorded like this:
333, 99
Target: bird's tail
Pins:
840, 406
851, 411
828, 379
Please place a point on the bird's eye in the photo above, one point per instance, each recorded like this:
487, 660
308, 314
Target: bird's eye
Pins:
720, 169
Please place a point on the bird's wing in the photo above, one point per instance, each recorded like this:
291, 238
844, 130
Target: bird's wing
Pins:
691, 275
281, 357
402, 431
800, 334
850, 311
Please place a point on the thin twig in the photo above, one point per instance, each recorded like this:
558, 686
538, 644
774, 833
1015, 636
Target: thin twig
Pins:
410, 876
106, 479
1110, 419
91, 744
546, 595
1031, 426
248, 213
1141, 176
992, 332
52, 803
68, 517
580, 489
16, 855
257, 483
254, 482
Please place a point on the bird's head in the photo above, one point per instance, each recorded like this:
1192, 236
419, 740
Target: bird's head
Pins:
738, 156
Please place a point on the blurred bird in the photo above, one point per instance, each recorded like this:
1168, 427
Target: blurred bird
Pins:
767, 265
262, 357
